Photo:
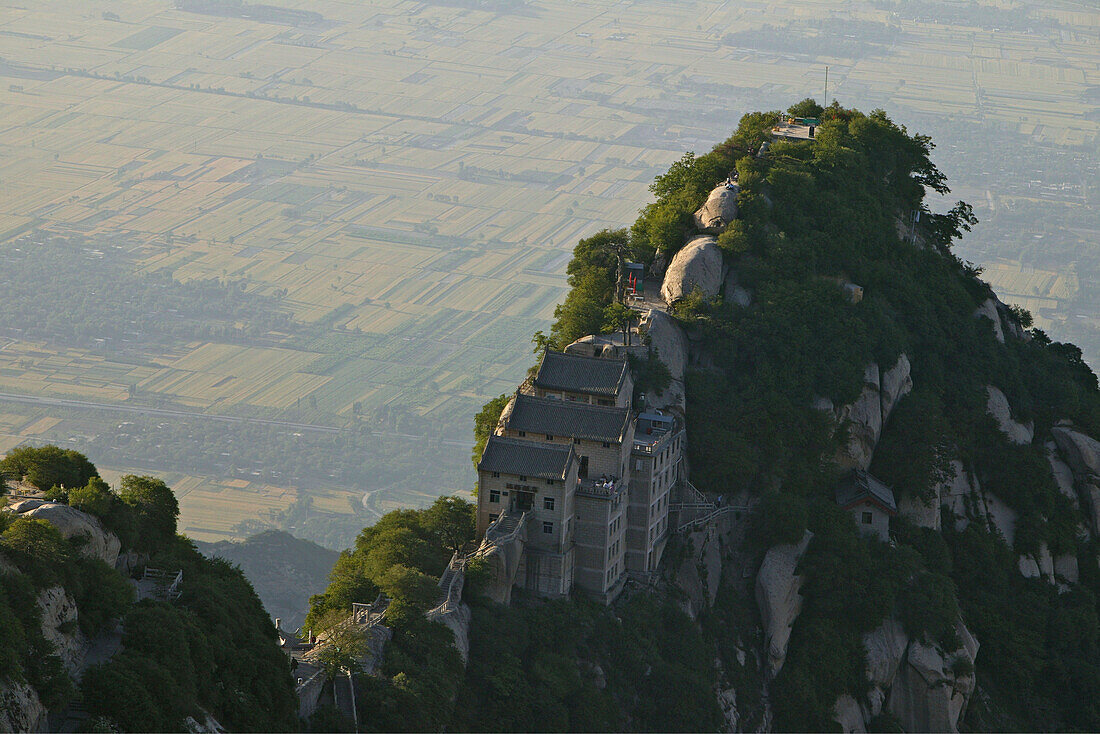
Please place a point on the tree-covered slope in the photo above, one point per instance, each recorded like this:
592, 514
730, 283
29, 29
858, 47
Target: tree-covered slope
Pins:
74, 630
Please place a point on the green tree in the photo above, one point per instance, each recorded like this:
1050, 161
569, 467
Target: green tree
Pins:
618, 317
48, 466
409, 588
156, 507
806, 108
451, 519
485, 422
95, 497
37, 541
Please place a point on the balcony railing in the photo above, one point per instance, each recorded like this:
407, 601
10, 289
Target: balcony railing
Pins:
601, 488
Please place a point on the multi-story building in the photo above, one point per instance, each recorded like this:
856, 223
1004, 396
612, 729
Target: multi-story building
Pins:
657, 467
536, 480
604, 476
602, 438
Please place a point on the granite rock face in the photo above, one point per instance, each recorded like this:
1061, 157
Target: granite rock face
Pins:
778, 595
1082, 454
73, 523
20, 708
998, 407
719, 210
698, 264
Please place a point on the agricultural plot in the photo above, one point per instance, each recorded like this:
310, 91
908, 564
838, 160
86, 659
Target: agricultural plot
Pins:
408, 179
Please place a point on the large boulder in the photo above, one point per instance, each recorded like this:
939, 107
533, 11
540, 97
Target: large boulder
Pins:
698, 264
18, 506
73, 523
720, 209
779, 597
997, 406
1082, 453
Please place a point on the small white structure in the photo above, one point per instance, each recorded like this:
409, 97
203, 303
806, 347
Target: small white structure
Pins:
870, 501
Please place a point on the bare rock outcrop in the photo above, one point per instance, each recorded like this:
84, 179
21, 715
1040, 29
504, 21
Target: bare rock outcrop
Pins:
734, 292
864, 420
897, 382
920, 513
700, 573
698, 264
457, 620
988, 310
1001, 516
1065, 568
885, 647
667, 339
59, 615
18, 506
866, 416
719, 210
1082, 453
849, 715
779, 597
1038, 566
20, 708
930, 691
998, 407
73, 523
1063, 475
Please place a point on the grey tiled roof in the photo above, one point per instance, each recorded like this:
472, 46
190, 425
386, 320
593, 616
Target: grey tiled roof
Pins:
526, 458
592, 375
567, 418
859, 486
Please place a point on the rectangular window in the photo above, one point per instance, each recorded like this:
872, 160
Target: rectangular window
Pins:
496, 475
549, 437
522, 478
637, 465
548, 527
607, 444
867, 518
576, 440
493, 518
550, 482
548, 503
494, 495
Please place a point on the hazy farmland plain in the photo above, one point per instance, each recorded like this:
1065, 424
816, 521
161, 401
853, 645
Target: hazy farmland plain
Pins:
404, 181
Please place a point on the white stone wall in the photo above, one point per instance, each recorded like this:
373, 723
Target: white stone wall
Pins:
880, 521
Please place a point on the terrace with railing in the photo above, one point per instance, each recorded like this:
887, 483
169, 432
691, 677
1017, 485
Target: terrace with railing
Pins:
603, 487
653, 432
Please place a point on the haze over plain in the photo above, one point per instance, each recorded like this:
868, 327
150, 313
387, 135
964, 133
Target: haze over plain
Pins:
405, 181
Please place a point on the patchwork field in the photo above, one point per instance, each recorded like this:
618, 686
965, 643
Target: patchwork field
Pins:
407, 179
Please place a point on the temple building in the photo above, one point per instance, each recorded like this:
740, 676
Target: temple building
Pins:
589, 477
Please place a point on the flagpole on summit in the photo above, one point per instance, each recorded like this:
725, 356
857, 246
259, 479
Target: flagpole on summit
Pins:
826, 87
